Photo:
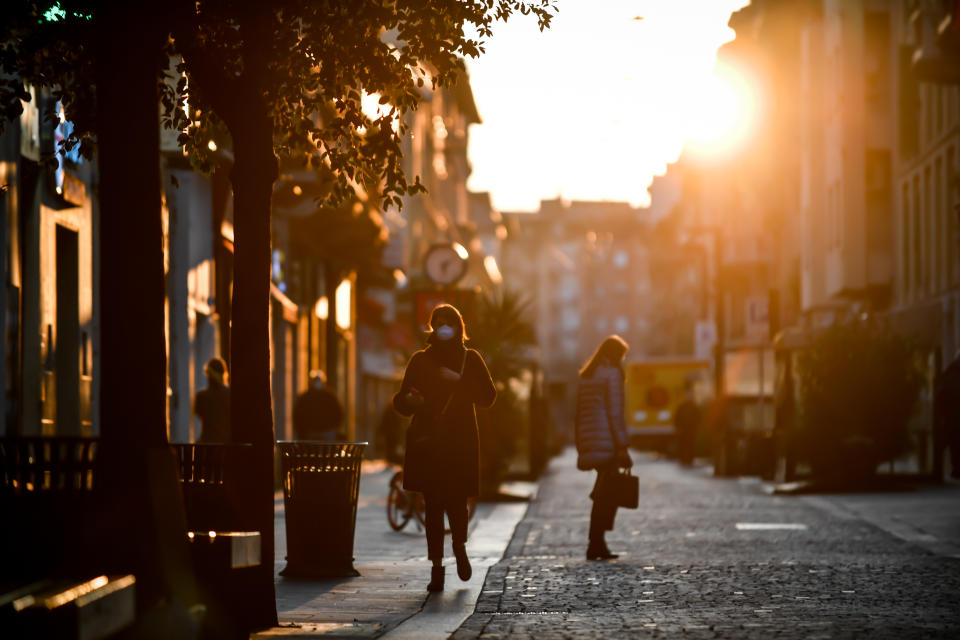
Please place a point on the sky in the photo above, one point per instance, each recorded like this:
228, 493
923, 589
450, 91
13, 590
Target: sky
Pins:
598, 104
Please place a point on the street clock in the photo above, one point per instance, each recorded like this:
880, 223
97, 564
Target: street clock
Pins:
445, 264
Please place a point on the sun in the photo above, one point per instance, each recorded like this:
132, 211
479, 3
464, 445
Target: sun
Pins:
723, 112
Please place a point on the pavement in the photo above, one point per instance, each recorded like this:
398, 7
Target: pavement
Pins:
702, 557
389, 599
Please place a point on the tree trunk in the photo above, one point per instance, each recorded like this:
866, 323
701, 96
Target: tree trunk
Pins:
141, 528
254, 172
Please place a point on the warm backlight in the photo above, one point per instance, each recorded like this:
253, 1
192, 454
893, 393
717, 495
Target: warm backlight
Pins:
722, 112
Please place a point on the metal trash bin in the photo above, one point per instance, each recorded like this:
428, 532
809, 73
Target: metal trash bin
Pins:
321, 481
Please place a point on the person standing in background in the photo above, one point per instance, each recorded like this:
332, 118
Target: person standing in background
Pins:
212, 405
686, 421
317, 413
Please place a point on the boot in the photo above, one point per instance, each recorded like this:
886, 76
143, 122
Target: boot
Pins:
436, 580
598, 550
464, 570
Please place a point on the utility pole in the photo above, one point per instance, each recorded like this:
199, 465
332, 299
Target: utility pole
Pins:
723, 444
719, 315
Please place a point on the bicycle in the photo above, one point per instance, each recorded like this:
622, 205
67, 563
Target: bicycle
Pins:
403, 505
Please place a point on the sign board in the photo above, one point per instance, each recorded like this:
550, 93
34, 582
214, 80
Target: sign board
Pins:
704, 338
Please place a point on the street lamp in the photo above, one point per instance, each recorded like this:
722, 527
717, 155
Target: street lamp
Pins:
343, 298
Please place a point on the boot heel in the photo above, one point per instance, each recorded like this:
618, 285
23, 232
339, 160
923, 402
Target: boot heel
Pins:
436, 580
464, 570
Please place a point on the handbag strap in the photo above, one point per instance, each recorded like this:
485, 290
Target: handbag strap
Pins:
463, 365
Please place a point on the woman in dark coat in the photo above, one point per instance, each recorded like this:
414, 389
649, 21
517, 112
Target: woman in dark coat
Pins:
441, 387
601, 434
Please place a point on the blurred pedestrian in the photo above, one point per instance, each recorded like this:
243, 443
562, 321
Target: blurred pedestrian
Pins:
212, 404
317, 412
441, 387
686, 421
946, 428
601, 434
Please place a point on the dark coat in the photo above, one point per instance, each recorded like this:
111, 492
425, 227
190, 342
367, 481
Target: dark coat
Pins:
443, 454
687, 417
316, 413
212, 406
600, 427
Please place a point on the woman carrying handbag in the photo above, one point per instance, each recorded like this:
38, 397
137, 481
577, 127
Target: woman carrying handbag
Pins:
601, 436
441, 387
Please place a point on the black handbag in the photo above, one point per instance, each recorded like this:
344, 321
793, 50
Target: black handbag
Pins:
621, 488
429, 434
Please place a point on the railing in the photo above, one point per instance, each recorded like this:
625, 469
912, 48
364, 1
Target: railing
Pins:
46, 494
204, 463
204, 470
46, 464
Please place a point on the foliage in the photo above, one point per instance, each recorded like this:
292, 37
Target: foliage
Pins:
859, 385
46, 48
313, 63
502, 334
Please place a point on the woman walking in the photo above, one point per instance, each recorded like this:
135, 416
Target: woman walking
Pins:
601, 434
441, 387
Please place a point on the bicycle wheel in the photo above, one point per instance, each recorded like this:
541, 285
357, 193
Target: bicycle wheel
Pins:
398, 503
420, 508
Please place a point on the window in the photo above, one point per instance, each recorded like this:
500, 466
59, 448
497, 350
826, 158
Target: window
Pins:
939, 225
917, 238
621, 324
950, 231
929, 216
905, 240
938, 95
838, 212
831, 226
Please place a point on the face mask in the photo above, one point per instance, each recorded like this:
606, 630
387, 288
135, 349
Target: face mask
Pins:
445, 332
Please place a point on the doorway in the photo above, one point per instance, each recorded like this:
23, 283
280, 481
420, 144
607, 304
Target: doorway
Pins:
67, 354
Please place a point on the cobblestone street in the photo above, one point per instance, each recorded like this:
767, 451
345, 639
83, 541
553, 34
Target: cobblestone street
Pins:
706, 557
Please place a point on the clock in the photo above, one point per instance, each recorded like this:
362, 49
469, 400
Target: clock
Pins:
444, 265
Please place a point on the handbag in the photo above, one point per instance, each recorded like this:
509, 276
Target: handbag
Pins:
620, 488
429, 435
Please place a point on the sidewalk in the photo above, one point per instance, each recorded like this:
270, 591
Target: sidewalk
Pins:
389, 599
924, 515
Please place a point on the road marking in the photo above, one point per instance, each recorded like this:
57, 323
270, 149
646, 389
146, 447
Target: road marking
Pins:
770, 526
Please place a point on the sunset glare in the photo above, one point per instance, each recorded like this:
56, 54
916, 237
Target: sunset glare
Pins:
722, 114
600, 103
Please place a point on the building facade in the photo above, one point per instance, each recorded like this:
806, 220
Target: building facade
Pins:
49, 315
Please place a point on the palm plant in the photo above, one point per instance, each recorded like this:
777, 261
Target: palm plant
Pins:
501, 332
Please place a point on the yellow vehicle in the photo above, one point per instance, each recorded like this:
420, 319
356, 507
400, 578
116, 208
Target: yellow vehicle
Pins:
654, 388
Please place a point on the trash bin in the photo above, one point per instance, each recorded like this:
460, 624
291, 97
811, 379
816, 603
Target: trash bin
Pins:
320, 486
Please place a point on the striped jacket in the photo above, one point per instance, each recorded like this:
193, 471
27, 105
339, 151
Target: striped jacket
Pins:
600, 426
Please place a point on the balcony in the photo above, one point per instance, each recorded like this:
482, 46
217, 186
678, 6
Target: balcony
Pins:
936, 55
